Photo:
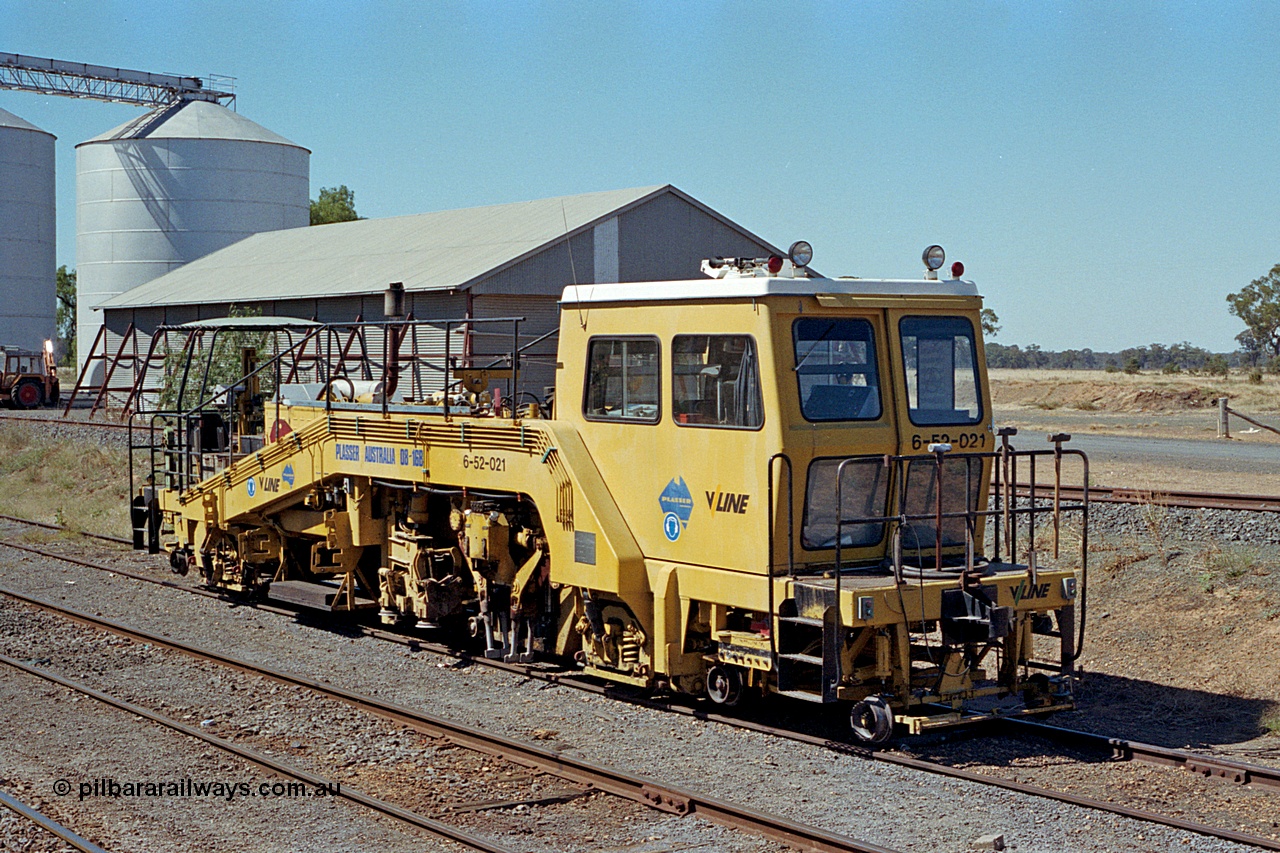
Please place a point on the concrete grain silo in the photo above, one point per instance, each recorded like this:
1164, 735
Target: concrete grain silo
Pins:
27, 233
172, 186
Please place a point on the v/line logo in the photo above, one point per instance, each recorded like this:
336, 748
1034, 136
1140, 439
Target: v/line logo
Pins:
735, 502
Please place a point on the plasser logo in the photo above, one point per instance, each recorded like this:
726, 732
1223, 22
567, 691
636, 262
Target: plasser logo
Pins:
676, 502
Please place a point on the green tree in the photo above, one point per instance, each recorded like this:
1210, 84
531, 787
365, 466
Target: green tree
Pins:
224, 364
335, 204
990, 323
1216, 365
66, 316
1258, 305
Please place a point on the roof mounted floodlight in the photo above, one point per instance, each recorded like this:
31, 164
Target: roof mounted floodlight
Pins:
933, 258
800, 253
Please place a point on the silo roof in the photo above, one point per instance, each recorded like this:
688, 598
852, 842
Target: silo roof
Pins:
192, 120
8, 119
447, 250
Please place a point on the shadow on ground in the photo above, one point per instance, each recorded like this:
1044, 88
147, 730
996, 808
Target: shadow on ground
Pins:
1166, 716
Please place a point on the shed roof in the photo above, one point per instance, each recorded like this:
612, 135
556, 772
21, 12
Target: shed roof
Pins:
449, 250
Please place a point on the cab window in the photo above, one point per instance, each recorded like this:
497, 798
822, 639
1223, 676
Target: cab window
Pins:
715, 381
864, 493
836, 369
939, 358
622, 380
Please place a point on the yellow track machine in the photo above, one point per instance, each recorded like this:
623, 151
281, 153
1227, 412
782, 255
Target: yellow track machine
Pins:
759, 481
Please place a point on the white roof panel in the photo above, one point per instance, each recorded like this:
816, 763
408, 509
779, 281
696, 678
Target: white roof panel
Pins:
754, 287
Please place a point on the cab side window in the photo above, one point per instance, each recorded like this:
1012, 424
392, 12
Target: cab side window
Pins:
622, 379
715, 381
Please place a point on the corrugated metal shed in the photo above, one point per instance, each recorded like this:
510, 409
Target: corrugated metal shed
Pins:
455, 250
504, 261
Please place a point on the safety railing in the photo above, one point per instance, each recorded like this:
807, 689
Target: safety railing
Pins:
1015, 510
188, 443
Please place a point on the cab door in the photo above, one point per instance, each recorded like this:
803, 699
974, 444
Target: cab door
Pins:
837, 398
939, 369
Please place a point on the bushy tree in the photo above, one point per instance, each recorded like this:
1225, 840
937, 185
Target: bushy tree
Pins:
1258, 305
335, 204
66, 315
990, 323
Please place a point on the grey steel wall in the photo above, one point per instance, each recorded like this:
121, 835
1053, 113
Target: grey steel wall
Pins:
27, 233
146, 204
668, 238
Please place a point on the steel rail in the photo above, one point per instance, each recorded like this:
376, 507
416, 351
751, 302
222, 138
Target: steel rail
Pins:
1125, 750
1162, 497
1266, 777
62, 422
47, 526
433, 826
49, 825
649, 792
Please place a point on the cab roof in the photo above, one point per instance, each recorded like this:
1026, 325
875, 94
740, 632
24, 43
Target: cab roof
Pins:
752, 287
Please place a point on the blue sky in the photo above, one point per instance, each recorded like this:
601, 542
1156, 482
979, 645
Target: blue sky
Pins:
1107, 172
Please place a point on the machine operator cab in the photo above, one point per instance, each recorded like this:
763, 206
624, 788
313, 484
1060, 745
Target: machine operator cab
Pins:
812, 458
703, 381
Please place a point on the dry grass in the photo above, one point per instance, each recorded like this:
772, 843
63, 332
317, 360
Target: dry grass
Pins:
59, 482
1095, 390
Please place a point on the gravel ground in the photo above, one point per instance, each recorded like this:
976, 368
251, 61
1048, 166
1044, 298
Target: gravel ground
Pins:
883, 804
19, 835
60, 735
358, 750
1188, 525
72, 429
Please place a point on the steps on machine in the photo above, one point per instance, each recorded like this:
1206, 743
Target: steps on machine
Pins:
808, 647
798, 657
801, 620
803, 695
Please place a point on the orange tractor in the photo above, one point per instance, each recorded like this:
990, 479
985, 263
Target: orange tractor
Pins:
28, 379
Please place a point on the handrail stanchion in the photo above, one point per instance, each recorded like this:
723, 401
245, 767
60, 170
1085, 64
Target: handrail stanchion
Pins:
791, 566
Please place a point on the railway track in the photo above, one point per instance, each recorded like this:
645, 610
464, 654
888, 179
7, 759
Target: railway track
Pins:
1119, 749
594, 776
1156, 497
62, 421
648, 792
435, 827
49, 825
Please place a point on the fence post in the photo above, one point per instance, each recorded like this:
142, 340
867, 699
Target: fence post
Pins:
1224, 425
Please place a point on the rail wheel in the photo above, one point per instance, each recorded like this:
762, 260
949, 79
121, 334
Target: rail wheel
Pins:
872, 720
724, 685
28, 394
